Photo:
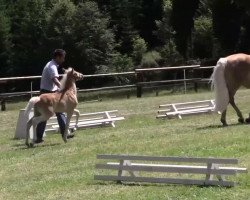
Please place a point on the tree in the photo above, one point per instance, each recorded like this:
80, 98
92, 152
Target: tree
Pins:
139, 49
244, 45
93, 40
125, 19
60, 22
28, 30
5, 40
203, 37
227, 24
183, 22
152, 10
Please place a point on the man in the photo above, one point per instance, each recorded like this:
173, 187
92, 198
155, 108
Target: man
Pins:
49, 84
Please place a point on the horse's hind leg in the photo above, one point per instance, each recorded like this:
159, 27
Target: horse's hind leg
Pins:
237, 110
223, 118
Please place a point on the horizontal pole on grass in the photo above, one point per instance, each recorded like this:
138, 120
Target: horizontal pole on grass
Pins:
164, 180
169, 159
167, 168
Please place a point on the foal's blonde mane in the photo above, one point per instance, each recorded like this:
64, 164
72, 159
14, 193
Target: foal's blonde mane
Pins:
64, 78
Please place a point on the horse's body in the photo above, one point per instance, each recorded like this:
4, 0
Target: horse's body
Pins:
46, 105
229, 75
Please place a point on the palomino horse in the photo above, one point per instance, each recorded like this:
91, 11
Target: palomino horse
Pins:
46, 105
229, 75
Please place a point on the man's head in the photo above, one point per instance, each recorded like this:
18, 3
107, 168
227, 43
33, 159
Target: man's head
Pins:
59, 56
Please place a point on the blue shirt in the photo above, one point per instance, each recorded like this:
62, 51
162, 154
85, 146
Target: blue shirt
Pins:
49, 73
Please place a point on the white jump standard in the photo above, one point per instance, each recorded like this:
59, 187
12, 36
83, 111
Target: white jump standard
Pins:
191, 174
187, 108
86, 120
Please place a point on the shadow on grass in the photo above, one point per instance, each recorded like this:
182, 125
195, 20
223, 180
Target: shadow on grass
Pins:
24, 147
152, 185
219, 126
113, 183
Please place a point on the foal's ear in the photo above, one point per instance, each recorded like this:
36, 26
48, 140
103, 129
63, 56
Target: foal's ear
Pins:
72, 71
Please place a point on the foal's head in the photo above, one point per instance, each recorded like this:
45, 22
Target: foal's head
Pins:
70, 76
73, 75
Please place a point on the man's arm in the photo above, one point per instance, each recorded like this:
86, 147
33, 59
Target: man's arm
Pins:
54, 76
57, 82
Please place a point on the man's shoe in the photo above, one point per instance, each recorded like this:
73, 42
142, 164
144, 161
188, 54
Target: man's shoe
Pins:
38, 141
70, 136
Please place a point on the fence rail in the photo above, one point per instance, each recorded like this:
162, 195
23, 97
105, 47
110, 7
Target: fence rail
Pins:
85, 76
138, 73
168, 68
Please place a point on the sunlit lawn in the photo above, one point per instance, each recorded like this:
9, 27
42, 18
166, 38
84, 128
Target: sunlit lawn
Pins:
55, 170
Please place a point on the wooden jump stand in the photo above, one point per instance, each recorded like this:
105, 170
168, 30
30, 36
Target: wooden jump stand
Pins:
86, 120
187, 108
213, 170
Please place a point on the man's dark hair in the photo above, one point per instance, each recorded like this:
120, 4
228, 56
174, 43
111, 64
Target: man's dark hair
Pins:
59, 52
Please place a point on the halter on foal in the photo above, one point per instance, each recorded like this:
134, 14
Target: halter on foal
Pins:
229, 75
46, 105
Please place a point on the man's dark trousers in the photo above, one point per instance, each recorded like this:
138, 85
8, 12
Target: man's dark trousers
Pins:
41, 126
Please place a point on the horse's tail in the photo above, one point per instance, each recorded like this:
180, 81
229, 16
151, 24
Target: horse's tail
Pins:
220, 86
30, 105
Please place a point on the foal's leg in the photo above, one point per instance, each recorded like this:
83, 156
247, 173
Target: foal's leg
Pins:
223, 118
28, 126
69, 115
77, 113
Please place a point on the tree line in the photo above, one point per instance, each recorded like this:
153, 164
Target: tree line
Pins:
103, 36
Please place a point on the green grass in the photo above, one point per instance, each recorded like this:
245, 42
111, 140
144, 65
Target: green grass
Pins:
55, 170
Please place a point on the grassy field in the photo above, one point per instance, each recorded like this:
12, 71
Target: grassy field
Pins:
55, 170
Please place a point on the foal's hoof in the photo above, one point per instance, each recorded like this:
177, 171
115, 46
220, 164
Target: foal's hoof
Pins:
247, 120
27, 144
241, 120
32, 145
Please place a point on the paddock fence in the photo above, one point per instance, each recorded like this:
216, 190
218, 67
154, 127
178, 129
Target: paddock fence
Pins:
143, 78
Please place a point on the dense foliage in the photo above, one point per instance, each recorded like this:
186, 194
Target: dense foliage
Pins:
119, 35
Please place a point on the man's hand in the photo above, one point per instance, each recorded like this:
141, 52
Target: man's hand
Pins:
57, 82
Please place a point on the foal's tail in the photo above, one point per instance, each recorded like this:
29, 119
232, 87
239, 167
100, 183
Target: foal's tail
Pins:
31, 104
220, 86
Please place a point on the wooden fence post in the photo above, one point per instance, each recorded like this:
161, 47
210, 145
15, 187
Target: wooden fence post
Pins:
3, 105
196, 73
196, 86
139, 78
